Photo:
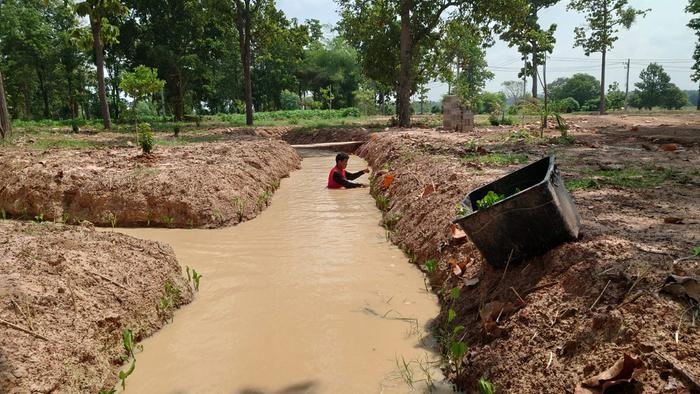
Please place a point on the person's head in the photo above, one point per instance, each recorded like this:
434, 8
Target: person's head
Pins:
341, 160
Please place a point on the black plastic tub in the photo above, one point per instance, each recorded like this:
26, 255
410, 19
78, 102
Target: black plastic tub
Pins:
536, 215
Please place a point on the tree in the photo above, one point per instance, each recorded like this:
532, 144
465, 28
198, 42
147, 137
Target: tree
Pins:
419, 21
581, 87
615, 97
5, 125
532, 41
653, 86
674, 98
603, 19
143, 81
461, 60
244, 16
102, 32
694, 8
471, 62
422, 96
514, 92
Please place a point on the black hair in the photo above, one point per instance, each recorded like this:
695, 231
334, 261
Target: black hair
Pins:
340, 157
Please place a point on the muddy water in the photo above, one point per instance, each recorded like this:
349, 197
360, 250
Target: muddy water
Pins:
307, 298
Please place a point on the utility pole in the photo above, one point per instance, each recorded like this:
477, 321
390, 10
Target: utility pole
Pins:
627, 83
544, 80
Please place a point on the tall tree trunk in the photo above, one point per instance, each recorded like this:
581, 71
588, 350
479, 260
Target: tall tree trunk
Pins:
95, 27
44, 92
244, 42
404, 99
5, 125
601, 105
698, 96
114, 79
534, 69
179, 95
27, 102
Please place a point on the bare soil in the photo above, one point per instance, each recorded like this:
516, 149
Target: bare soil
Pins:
66, 294
196, 185
545, 325
334, 134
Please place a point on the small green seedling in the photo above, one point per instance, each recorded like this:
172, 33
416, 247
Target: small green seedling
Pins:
489, 199
695, 251
430, 266
195, 279
383, 202
187, 269
105, 391
125, 374
39, 218
485, 387
461, 210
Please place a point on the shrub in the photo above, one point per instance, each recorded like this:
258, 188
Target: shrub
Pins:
567, 105
146, 140
289, 100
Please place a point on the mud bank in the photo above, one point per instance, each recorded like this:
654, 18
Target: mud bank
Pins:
549, 323
68, 291
332, 134
197, 185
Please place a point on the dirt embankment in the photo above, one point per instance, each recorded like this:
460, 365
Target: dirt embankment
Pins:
302, 136
196, 185
66, 294
547, 324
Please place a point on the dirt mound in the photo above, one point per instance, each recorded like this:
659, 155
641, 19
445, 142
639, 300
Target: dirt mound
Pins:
547, 324
196, 185
332, 134
66, 293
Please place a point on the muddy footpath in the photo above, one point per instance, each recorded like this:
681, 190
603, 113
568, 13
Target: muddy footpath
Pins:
547, 324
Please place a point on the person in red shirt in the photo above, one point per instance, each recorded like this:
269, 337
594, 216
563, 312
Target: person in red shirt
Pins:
339, 178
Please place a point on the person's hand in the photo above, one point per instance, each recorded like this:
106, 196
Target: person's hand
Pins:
366, 170
362, 185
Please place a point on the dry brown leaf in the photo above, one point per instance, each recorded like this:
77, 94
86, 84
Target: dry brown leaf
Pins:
669, 147
457, 232
456, 270
682, 286
621, 372
388, 180
673, 220
429, 188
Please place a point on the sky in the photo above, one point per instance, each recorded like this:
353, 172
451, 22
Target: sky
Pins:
662, 37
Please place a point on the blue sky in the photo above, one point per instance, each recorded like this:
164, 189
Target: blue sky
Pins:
661, 36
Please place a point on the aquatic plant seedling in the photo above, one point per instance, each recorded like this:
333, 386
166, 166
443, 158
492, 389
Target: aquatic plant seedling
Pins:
125, 374
489, 199
485, 387
195, 279
187, 269
128, 341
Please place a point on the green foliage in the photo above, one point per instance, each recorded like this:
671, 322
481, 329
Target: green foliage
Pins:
498, 159
382, 202
196, 277
485, 387
489, 199
146, 141
128, 343
430, 266
628, 178
141, 82
567, 105
656, 89
580, 87
615, 99
289, 100
488, 103
695, 251
694, 8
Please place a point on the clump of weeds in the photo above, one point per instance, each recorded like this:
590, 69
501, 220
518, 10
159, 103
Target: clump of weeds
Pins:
382, 202
194, 278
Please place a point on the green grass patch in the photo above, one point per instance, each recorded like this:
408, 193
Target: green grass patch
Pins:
63, 144
497, 159
628, 178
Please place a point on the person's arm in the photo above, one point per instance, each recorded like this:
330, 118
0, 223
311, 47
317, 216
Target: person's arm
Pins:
354, 175
338, 178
